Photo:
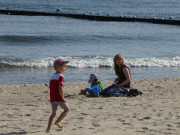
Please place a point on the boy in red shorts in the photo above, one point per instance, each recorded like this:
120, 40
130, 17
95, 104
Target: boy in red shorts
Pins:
57, 93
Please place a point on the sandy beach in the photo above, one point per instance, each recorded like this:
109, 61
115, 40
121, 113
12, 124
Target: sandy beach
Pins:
25, 109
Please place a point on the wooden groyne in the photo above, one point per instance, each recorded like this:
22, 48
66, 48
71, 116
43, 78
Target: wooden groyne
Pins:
91, 17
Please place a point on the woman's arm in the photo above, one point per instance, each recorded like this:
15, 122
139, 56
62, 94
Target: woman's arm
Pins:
116, 81
127, 75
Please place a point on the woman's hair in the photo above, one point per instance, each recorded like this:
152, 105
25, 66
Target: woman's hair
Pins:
117, 68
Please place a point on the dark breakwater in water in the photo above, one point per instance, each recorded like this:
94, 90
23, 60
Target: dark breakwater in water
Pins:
91, 17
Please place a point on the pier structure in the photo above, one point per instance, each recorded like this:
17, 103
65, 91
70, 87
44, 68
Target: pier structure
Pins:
92, 17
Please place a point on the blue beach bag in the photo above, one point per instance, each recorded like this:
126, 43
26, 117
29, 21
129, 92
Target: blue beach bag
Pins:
94, 90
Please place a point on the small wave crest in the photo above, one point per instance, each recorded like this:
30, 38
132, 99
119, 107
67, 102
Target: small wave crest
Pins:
92, 62
25, 38
154, 62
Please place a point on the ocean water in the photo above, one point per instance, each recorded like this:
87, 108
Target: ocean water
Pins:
30, 44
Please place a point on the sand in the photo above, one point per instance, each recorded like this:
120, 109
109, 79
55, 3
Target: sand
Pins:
25, 109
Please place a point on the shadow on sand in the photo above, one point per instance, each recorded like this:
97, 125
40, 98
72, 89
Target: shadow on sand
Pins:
14, 133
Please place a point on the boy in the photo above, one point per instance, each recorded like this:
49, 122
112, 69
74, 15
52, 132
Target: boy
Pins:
94, 81
57, 93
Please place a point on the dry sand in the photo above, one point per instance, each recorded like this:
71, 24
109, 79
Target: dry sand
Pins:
25, 109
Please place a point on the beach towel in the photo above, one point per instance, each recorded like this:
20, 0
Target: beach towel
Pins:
118, 91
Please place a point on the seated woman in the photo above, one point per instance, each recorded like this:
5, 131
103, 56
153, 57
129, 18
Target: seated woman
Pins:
122, 72
121, 85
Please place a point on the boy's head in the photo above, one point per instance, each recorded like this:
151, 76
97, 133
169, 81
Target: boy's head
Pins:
93, 78
60, 65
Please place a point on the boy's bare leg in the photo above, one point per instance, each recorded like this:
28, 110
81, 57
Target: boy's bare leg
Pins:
51, 119
62, 115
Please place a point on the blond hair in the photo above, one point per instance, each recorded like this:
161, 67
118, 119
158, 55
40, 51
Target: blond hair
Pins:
63, 65
117, 68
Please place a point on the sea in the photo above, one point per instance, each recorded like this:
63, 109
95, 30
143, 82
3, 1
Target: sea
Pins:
30, 44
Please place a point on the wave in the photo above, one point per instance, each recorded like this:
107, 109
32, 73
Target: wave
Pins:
91, 62
24, 38
48, 38
68, 38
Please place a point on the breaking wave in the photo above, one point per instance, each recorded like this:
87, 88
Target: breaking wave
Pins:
91, 62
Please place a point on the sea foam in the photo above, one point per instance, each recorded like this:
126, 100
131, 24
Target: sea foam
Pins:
92, 62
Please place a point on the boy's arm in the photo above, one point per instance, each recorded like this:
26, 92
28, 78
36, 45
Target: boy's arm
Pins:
100, 89
61, 92
100, 86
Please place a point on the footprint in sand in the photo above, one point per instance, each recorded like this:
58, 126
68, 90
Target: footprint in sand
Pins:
81, 127
27, 115
96, 125
45, 92
1, 90
121, 120
84, 114
158, 87
147, 118
155, 124
145, 128
154, 110
65, 123
169, 125
140, 131
59, 129
81, 118
134, 115
92, 128
159, 114
126, 123
95, 116
100, 107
